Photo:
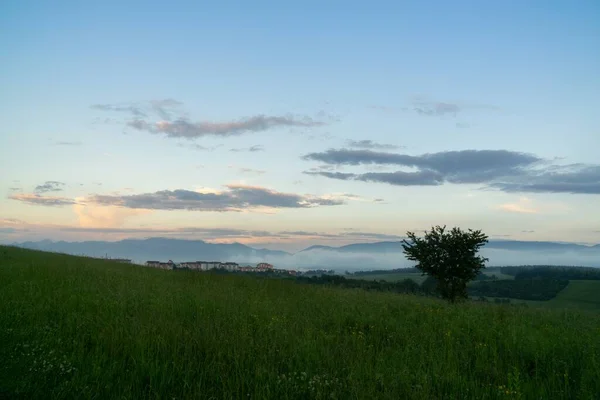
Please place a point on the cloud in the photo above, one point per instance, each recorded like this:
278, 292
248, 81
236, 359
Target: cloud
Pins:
574, 178
165, 117
165, 108
36, 199
213, 234
251, 171
49, 186
371, 145
428, 107
235, 198
435, 108
93, 216
15, 189
182, 128
11, 221
527, 231
251, 149
524, 205
508, 171
466, 166
129, 109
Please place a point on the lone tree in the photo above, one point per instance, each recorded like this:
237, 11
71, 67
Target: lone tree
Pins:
450, 257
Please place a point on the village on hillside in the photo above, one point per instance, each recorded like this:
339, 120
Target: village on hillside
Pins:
217, 265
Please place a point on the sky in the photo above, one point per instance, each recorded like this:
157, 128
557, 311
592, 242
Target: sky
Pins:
284, 125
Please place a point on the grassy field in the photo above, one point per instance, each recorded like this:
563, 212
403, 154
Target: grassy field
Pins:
582, 295
81, 328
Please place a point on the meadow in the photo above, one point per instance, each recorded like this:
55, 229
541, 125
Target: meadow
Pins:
73, 327
579, 294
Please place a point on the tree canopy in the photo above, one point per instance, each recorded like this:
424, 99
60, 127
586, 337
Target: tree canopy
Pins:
448, 256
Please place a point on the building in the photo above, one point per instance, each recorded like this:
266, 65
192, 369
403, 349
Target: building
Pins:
264, 267
157, 264
230, 266
196, 265
121, 260
168, 265
154, 264
208, 265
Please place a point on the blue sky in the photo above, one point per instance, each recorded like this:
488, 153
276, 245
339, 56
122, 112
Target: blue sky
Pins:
265, 122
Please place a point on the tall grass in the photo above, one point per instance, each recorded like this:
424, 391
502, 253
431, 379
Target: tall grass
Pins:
80, 328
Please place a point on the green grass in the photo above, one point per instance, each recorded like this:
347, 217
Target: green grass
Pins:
582, 295
579, 294
80, 328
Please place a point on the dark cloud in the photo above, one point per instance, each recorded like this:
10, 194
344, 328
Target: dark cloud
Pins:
333, 175
49, 186
371, 145
575, 178
400, 178
235, 198
466, 166
251, 149
36, 199
505, 170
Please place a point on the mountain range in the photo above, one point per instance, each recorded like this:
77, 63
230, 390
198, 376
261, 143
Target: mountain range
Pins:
352, 256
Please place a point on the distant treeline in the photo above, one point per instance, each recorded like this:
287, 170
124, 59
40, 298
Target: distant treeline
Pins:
552, 272
405, 286
537, 288
384, 271
523, 289
530, 289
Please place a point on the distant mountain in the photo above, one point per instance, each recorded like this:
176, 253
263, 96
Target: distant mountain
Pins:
141, 250
358, 256
511, 245
365, 248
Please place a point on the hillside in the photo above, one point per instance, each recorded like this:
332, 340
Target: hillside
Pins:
87, 328
582, 295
